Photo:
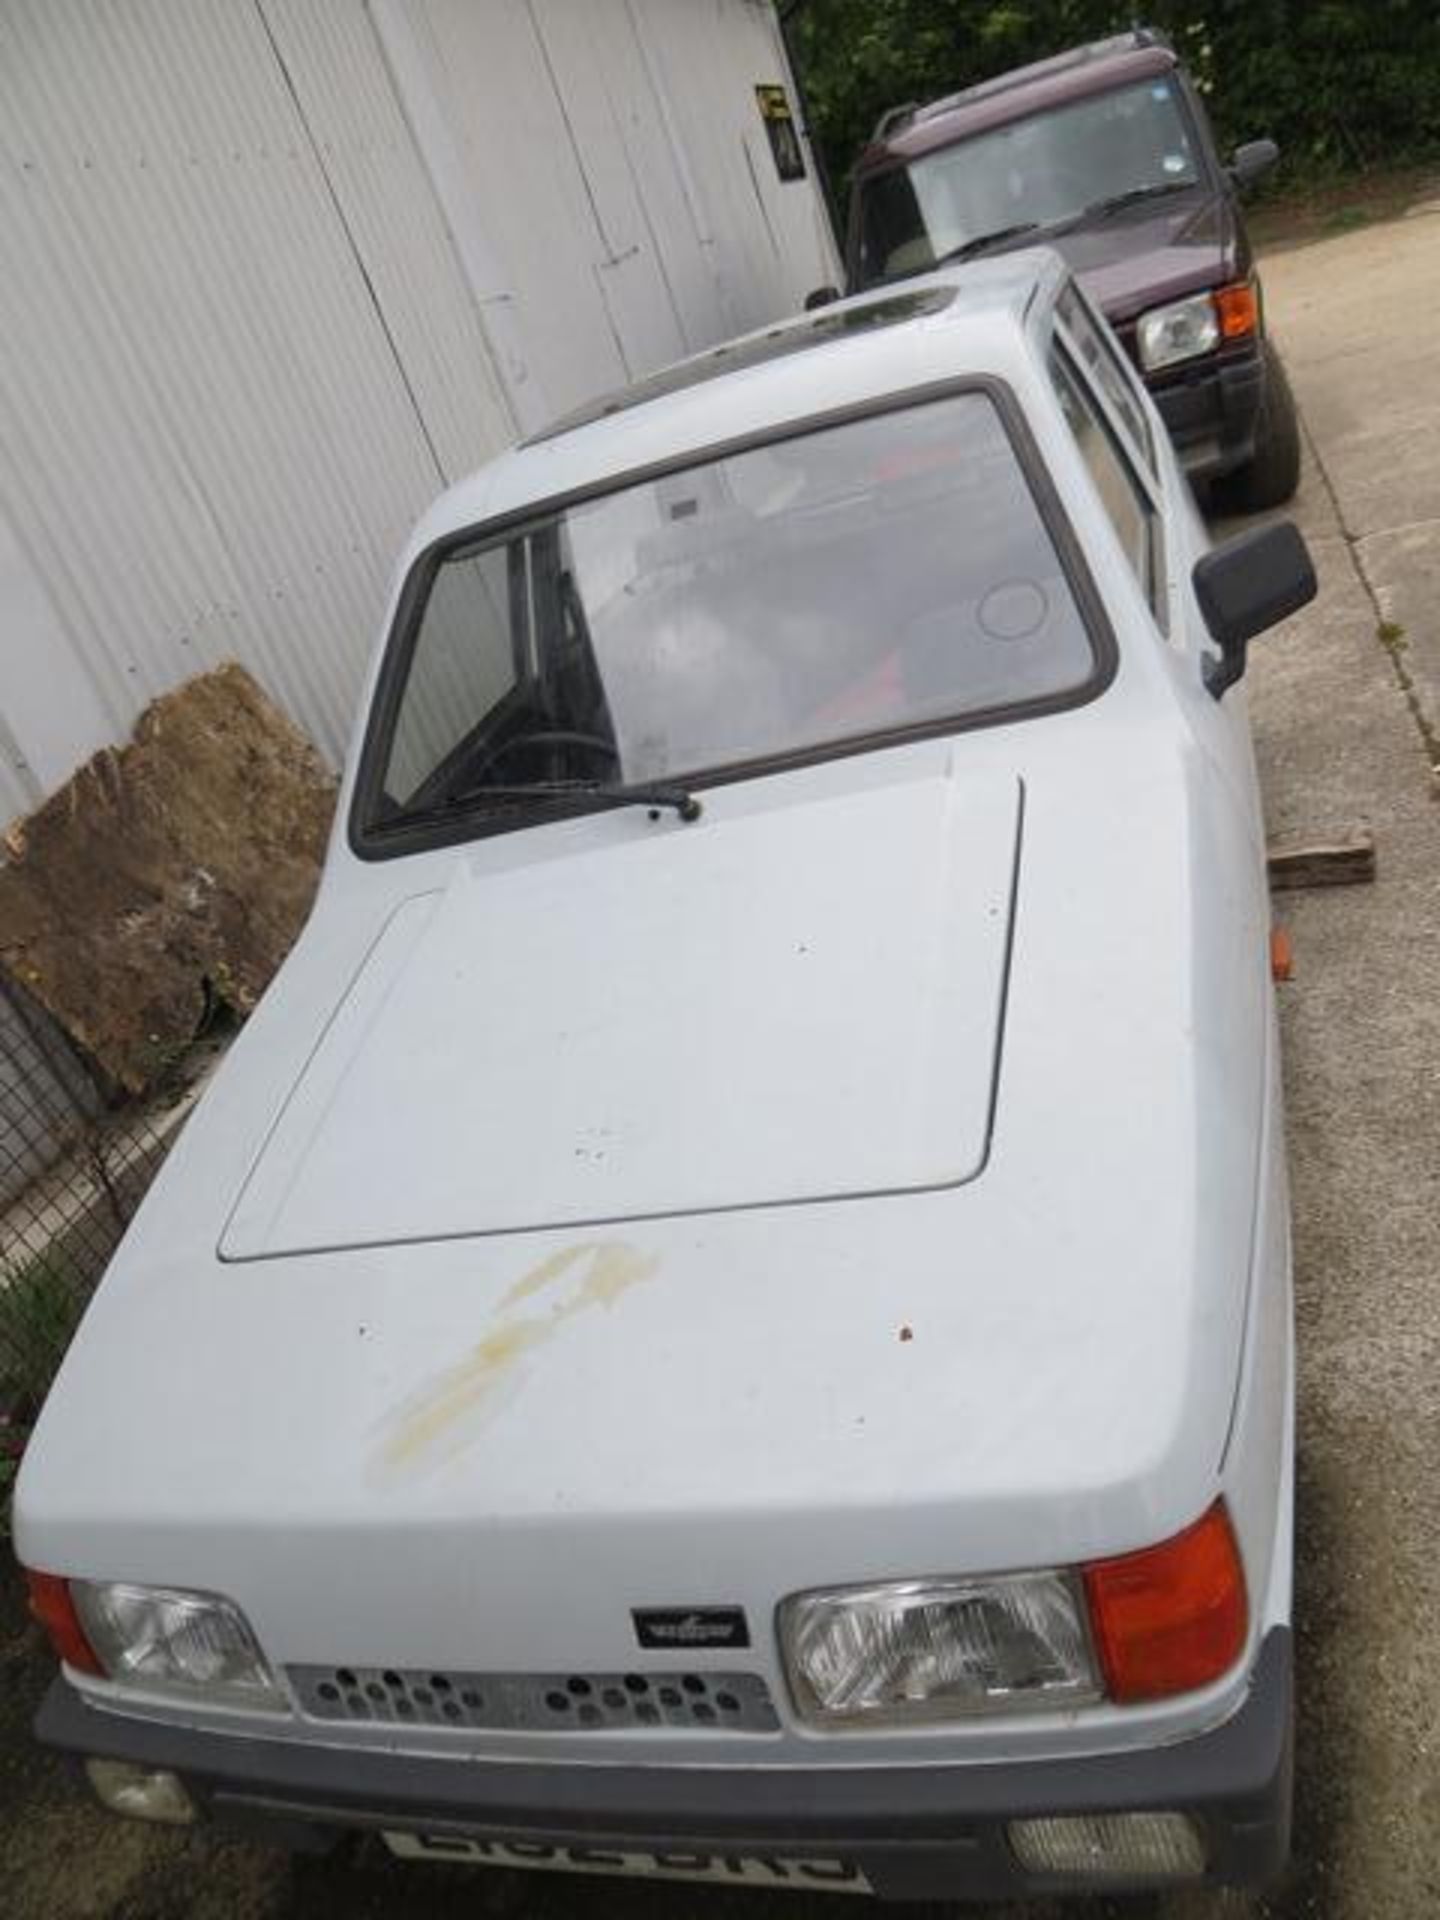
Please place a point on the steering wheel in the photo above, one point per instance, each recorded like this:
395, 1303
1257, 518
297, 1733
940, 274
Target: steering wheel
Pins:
595, 743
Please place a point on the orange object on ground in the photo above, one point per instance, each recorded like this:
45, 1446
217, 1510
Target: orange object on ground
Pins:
1282, 955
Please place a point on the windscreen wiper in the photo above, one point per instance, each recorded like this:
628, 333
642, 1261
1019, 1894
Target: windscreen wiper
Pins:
983, 241
1132, 195
637, 793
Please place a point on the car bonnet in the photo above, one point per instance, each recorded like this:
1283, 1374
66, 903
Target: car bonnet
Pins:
795, 1004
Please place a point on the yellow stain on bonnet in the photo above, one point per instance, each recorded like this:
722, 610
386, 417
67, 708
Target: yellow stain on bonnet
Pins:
442, 1417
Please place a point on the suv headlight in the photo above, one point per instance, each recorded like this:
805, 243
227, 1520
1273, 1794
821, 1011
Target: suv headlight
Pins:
175, 1642
939, 1649
1180, 331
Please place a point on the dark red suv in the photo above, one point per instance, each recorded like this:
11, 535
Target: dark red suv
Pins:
1106, 153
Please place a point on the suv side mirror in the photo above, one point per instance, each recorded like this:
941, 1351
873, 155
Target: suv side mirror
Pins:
1252, 161
1246, 585
821, 297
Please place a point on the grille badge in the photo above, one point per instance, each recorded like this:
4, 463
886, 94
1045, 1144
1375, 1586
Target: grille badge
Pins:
676, 1628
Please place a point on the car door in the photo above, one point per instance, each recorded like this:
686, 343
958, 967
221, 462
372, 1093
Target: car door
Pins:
1145, 489
1225, 952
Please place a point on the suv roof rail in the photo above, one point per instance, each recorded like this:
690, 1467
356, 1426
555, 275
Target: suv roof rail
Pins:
1132, 40
894, 117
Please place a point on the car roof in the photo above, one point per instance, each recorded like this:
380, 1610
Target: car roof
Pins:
960, 321
906, 132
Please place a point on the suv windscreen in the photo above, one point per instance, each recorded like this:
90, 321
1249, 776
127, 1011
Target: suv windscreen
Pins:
1048, 169
862, 579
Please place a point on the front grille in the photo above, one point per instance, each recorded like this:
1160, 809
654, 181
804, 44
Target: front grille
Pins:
538, 1702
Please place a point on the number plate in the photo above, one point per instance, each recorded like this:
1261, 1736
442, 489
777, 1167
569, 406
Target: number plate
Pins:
812, 1874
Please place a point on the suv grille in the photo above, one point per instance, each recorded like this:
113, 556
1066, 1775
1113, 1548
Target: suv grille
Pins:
538, 1702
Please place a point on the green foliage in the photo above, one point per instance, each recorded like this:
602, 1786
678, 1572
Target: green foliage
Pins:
40, 1308
1341, 84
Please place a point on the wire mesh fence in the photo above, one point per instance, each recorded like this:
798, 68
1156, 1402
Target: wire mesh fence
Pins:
74, 1165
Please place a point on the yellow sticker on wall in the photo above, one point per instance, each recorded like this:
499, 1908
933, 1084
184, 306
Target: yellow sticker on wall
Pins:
774, 104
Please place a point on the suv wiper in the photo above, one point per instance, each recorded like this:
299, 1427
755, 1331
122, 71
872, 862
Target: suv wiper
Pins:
637, 793
983, 241
1155, 191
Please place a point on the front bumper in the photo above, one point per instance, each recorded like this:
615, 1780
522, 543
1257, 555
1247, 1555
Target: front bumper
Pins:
1212, 409
932, 1833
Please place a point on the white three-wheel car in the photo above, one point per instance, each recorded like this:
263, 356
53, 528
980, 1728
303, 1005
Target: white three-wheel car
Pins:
729, 1315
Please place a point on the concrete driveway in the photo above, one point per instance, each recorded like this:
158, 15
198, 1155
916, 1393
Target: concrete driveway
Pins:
1345, 702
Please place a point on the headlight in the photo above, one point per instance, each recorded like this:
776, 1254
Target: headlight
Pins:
939, 1649
175, 1642
1178, 332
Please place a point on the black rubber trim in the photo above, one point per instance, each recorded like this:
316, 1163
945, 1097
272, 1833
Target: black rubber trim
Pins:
370, 842
913, 1827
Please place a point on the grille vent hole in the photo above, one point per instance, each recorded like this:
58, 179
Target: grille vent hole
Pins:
736, 1703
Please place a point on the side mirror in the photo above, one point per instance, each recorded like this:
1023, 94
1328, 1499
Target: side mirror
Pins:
1246, 585
821, 297
1252, 161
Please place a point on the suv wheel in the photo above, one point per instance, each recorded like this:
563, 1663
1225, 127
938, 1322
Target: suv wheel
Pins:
1271, 476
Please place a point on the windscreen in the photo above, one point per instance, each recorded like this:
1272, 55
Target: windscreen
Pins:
1044, 170
838, 586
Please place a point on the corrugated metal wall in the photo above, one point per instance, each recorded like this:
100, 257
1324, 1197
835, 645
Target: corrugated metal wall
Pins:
275, 270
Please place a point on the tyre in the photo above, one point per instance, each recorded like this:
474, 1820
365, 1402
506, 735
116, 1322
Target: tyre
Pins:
1271, 475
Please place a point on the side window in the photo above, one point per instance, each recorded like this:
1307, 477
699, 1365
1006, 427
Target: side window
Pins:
464, 664
1098, 354
1123, 494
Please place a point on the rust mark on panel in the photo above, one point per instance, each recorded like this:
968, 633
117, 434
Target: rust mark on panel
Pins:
613, 1267
446, 1413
